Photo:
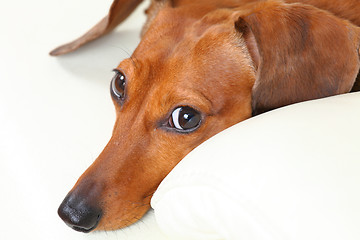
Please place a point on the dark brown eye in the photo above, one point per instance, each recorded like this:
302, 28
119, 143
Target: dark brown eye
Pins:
185, 118
118, 85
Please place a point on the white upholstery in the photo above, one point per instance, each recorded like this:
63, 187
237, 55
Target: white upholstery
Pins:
292, 173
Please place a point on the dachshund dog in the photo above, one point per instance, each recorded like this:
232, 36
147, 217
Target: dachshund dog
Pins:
201, 67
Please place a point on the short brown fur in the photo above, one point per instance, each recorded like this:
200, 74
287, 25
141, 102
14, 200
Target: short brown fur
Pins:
227, 59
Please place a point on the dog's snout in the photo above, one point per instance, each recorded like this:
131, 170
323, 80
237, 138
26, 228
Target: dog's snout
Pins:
78, 214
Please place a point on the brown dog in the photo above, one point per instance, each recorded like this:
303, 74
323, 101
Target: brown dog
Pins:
201, 67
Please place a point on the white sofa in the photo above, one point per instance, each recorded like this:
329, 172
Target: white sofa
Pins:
293, 173
56, 116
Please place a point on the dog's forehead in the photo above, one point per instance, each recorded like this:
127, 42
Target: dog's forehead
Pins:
177, 30
203, 51
187, 58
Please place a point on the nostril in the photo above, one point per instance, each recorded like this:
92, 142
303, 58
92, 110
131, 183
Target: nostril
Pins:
79, 215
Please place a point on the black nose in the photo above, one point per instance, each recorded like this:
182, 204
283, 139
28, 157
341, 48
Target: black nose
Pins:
78, 214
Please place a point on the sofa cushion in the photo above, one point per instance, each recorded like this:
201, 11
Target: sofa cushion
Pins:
292, 173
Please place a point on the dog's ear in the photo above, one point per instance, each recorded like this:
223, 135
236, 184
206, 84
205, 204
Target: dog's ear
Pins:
119, 11
299, 53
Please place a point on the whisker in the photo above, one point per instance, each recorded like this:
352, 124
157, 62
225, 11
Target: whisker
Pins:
127, 52
123, 49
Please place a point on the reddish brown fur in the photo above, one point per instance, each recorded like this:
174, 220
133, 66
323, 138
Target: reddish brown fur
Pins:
315, 54
228, 63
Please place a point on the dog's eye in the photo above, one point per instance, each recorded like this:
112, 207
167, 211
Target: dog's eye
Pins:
185, 118
118, 85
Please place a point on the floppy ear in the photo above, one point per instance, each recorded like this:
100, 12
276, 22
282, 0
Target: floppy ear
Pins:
300, 53
119, 11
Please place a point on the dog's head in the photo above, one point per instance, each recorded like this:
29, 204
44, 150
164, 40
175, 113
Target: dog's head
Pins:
194, 74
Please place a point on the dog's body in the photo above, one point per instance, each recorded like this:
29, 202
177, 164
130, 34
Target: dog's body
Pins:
201, 67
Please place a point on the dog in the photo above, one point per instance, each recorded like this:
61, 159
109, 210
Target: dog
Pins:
201, 67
